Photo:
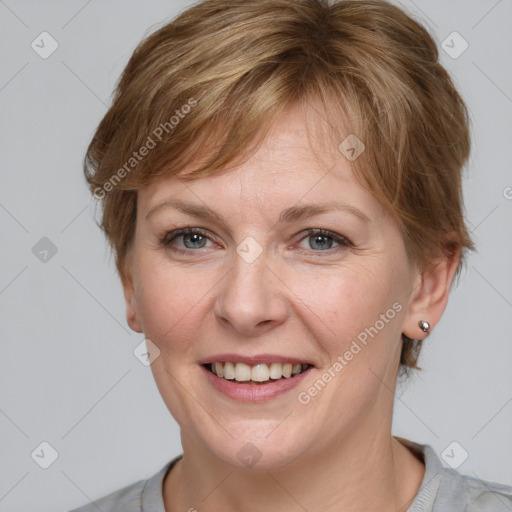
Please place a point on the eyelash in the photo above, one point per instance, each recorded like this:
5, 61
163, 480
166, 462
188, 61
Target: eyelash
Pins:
169, 237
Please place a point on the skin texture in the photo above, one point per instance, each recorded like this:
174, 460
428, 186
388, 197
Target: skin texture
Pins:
297, 300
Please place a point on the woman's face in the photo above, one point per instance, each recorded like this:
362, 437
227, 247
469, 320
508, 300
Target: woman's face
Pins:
257, 285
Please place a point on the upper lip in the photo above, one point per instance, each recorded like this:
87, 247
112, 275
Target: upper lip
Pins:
253, 360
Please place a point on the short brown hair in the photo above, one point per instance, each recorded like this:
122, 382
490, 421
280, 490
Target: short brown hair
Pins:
211, 83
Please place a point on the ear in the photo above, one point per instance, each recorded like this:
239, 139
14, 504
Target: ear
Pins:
132, 310
430, 294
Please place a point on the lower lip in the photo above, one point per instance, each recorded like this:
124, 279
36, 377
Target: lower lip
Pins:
254, 392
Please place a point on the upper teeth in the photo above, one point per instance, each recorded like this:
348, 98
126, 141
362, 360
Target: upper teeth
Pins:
242, 372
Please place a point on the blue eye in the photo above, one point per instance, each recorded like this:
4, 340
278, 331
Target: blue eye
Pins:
196, 240
320, 240
192, 238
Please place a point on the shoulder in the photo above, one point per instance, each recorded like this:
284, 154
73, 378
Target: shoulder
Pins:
444, 489
127, 499
469, 494
484, 496
141, 496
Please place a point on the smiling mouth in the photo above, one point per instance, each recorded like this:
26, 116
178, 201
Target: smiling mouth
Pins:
257, 374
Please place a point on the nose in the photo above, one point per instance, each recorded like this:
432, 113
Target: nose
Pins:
251, 299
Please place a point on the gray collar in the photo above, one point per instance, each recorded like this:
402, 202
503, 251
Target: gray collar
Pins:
437, 481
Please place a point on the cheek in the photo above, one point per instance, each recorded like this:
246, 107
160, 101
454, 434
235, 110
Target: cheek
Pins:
355, 316
347, 302
169, 299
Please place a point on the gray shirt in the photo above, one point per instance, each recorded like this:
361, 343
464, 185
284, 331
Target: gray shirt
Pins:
442, 490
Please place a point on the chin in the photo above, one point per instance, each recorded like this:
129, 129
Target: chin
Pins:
257, 455
258, 444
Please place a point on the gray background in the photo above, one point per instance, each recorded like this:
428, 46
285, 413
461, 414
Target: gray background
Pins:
68, 375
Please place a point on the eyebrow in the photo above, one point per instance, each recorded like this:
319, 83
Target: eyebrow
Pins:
293, 214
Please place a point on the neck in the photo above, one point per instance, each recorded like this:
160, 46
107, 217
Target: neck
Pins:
363, 471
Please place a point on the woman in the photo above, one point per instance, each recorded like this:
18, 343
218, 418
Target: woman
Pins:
281, 185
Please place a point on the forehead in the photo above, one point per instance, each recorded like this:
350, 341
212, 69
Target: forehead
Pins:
298, 161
